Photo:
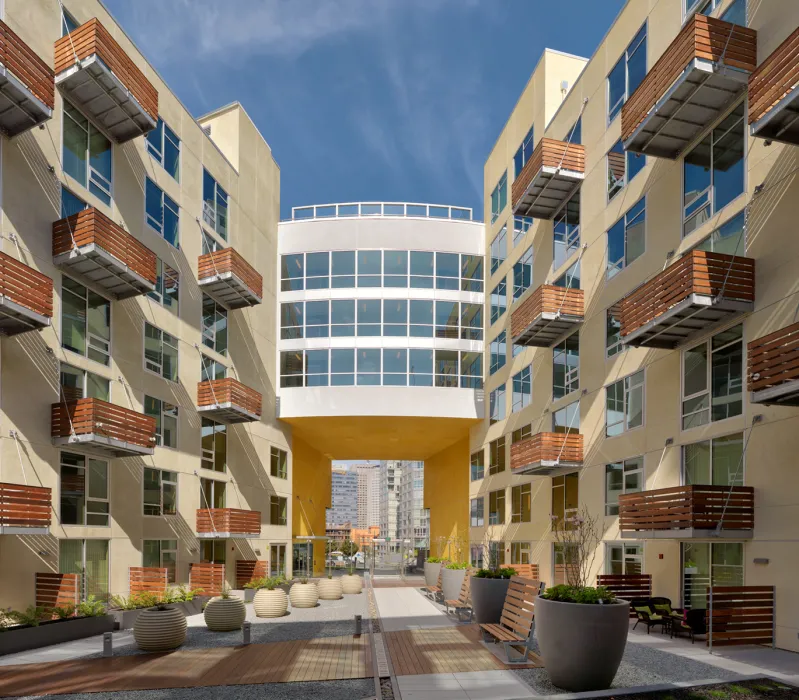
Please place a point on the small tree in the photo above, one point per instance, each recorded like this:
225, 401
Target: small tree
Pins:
349, 548
578, 536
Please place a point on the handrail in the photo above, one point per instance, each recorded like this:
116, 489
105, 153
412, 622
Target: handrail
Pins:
380, 209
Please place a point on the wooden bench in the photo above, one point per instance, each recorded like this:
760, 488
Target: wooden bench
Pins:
464, 601
433, 591
517, 623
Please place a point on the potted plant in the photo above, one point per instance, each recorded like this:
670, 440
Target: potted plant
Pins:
269, 599
432, 566
351, 583
488, 590
225, 613
581, 630
304, 594
690, 567
330, 588
452, 579
160, 628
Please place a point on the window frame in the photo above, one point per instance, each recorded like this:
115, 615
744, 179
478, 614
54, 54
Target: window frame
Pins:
640, 471
88, 337
627, 221
571, 375
523, 379
159, 294
617, 347
477, 462
525, 262
207, 210
625, 399
524, 152
496, 511
161, 482
212, 332
521, 494
166, 203
158, 153
501, 241
171, 573
176, 346
625, 556
102, 184
497, 400
159, 423
625, 57
500, 191
710, 441
281, 503
281, 458
497, 448
87, 498
209, 456
477, 511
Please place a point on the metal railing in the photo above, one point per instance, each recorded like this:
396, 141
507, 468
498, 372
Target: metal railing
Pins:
381, 209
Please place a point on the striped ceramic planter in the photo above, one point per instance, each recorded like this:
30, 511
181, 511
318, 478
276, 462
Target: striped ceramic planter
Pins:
160, 630
268, 603
304, 595
224, 614
351, 584
330, 589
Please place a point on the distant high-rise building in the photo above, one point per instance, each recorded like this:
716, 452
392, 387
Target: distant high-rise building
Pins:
368, 495
413, 519
344, 498
390, 474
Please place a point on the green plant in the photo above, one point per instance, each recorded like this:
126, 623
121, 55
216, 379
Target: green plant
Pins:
62, 612
457, 565
144, 599
32, 615
504, 572
225, 593
91, 607
587, 595
330, 576
304, 580
434, 560
255, 583
690, 564
270, 583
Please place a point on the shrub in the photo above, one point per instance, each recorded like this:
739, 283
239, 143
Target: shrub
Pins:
505, 572
255, 583
457, 565
91, 607
32, 615
63, 612
586, 595
434, 560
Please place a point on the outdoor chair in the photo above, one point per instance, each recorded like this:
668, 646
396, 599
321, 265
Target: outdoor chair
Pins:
692, 622
464, 601
517, 622
433, 591
646, 614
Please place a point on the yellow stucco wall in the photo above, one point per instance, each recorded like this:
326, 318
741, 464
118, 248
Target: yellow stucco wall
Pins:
312, 479
446, 494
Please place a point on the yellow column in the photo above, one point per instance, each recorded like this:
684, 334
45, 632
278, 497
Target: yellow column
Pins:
311, 486
446, 494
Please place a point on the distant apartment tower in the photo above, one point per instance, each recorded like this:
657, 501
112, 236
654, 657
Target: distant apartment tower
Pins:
368, 495
390, 475
344, 498
413, 519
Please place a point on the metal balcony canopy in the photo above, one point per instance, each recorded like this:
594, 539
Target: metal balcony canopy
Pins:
229, 290
104, 270
228, 412
16, 318
547, 328
20, 109
549, 188
103, 445
548, 467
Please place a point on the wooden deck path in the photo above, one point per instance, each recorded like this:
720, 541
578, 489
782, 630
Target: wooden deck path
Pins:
327, 658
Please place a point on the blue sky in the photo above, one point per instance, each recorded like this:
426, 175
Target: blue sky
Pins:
381, 100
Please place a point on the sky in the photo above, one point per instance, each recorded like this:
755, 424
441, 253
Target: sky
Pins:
364, 100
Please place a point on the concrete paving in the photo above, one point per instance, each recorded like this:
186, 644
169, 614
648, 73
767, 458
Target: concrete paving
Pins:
407, 608
482, 685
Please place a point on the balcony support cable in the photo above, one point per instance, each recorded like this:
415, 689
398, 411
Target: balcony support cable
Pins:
567, 433
69, 35
205, 499
14, 434
755, 420
213, 262
73, 437
583, 248
210, 381
669, 443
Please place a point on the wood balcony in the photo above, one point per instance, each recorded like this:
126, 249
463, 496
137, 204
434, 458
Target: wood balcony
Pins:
230, 279
773, 94
686, 512
697, 292
228, 401
555, 170
773, 367
547, 454
103, 427
98, 77
27, 85
221, 523
26, 297
546, 315
698, 76
92, 245
25, 510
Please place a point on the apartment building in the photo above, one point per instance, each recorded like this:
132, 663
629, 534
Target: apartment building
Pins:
641, 306
344, 498
368, 495
413, 519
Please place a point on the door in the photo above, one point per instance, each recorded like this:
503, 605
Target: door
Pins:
277, 560
212, 551
303, 559
89, 558
709, 564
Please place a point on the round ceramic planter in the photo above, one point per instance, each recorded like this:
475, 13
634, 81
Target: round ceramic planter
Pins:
224, 614
160, 630
304, 595
431, 570
351, 584
451, 582
581, 645
268, 603
488, 597
330, 589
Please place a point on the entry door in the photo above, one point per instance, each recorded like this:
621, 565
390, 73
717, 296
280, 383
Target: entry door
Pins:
277, 560
303, 559
89, 558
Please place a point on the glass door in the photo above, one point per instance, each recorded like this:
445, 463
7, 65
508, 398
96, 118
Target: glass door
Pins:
277, 560
89, 558
709, 563
212, 551
303, 559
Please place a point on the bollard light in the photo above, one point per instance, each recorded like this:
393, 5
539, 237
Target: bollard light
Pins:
358, 625
108, 644
245, 631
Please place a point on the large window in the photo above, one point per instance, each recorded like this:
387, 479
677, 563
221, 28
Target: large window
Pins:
520, 553
163, 144
613, 344
213, 438
277, 560
162, 554
214, 325
476, 512
499, 197
213, 493
566, 366
160, 492
499, 353
627, 558
499, 249
522, 389
215, 205
87, 154
68, 23
167, 287
521, 225
714, 171
521, 503
160, 352
716, 462
89, 558
84, 491
565, 497
496, 403
566, 231
622, 477
567, 419
523, 273
477, 465
624, 404
496, 456
211, 369
163, 213
278, 463
713, 379
709, 564
278, 510
623, 166
735, 13
524, 153
499, 301
627, 238
496, 507
70, 203
80, 384
166, 420
727, 238
627, 74
85, 322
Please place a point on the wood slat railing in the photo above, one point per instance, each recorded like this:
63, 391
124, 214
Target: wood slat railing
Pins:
19, 59
55, 590
149, 579
228, 260
568, 447
526, 570
773, 359
25, 506
250, 569
218, 391
627, 586
25, 286
774, 79
92, 226
738, 615
698, 272
208, 577
549, 153
102, 418
92, 38
684, 507
234, 520
701, 37
546, 298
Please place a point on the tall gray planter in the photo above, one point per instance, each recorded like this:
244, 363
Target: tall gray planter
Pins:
431, 573
581, 645
488, 597
451, 582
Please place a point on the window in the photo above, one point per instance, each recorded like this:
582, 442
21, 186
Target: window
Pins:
292, 272
368, 367
622, 168
735, 13
342, 318
160, 352
499, 249
446, 319
215, 205
369, 317
420, 367
627, 238
499, 197
499, 301
499, 353
317, 319
565, 498
520, 434
713, 379
709, 564
497, 405
70, 203
476, 509
519, 553
471, 370
395, 268
84, 491
68, 23
523, 154
212, 493
728, 238
522, 389
613, 344
422, 264
211, 369
523, 273
166, 421
86, 154
477, 465
277, 560
716, 462
447, 271
446, 368
80, 384
161, 554
163, 214
496, 456
624, 404
278, 463
160, 492
521, 503
521, 225
627, 558
476, 556
317, 367
370, 268
215, 325
567, 419
212, 551
164, 145
88, 557
213, 438
713, 172
167, 287
496, 507
566, 231
575, 134
278, 510
622, 477
471, 273
471, 321
85, 322
627, 74
566, 367
395, 367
